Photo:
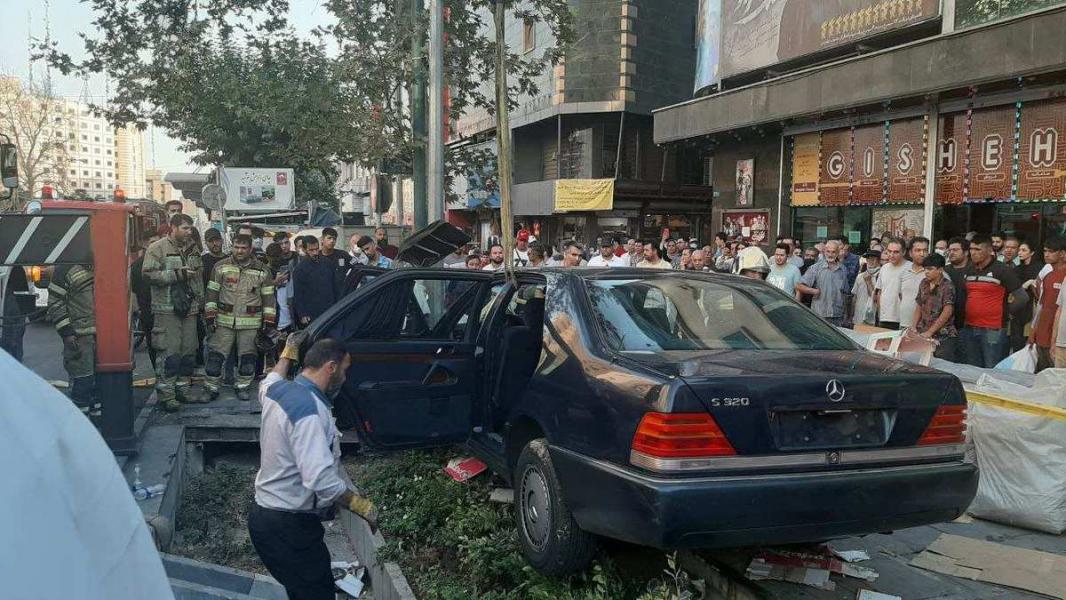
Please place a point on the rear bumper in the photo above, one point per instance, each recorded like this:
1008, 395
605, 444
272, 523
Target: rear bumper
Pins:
737, 510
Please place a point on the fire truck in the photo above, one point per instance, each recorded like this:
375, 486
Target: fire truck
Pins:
106, 235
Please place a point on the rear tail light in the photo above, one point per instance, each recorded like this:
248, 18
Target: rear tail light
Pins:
948, 426
680, 435
35, 274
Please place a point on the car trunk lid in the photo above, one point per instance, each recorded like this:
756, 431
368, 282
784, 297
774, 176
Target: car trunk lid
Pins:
792, 402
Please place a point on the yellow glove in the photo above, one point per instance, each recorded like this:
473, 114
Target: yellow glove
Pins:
292, 345
363, 507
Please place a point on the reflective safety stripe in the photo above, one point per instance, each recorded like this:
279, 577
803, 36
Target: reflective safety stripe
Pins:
55, 288
225, 320
211, 306
268, 289
213, 285
64, 322
248, 322
80, 276
269, 311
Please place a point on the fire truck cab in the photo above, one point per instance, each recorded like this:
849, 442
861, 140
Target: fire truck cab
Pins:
101, 234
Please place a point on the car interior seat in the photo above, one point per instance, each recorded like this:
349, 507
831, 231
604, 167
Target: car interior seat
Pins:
520, 348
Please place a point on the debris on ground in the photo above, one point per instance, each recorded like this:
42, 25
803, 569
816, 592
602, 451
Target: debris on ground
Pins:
1030, 570
812, 567
462, 469
851, 556
348, 577
502, 496
872, 595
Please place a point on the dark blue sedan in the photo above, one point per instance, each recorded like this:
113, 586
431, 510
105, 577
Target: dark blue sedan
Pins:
669, 409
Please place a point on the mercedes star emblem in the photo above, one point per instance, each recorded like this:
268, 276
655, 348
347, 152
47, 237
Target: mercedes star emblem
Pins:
835, 390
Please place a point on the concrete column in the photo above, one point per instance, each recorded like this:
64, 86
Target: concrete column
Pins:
435, 162
947, 9
930, 170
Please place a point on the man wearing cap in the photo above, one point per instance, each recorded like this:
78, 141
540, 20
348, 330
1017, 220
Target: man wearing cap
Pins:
521, 249
606, 257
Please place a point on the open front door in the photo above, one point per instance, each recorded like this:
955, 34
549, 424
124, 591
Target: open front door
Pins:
414, 379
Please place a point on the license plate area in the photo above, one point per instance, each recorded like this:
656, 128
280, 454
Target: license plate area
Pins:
831, 429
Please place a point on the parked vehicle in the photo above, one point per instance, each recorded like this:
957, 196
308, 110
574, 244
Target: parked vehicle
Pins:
669, 409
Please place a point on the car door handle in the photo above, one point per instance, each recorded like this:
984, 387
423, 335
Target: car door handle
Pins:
445, 350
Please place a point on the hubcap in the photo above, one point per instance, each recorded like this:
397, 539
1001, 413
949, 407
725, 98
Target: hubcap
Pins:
535, 507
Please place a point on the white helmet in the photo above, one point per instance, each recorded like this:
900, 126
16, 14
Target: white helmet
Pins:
751, 258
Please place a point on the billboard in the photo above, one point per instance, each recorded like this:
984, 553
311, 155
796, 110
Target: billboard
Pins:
806, 168
868, 183
906, 160
950, 158
759, 33
708, 42
992, 154
258, 190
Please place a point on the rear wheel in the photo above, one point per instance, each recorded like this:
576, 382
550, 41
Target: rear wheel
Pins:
549, 536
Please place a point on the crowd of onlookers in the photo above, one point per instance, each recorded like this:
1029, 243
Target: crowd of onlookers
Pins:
978, 298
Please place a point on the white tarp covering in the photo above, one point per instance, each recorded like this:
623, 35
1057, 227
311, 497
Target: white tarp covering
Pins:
69, 527
1022, 456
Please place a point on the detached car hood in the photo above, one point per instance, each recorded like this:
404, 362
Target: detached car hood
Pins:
429, 245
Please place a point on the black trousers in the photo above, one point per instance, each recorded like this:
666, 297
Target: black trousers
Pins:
292, 549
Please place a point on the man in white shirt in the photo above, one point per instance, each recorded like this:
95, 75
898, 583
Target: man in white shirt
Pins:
652, 260
301, 480
521, 249
495, 258
887, 289
911, 280
606, 257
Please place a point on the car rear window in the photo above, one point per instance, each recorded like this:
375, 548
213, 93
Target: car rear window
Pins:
678, 313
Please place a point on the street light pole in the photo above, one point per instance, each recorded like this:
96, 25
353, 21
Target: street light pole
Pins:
503, 138
435, 166
418, 118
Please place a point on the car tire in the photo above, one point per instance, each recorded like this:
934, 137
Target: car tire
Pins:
549, 536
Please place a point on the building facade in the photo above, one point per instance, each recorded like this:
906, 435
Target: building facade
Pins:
591, 120
82, 154
157, 188
130, 168
947, 120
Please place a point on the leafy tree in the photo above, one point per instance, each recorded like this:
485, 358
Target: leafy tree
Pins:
975, 12
28, 113
232, 81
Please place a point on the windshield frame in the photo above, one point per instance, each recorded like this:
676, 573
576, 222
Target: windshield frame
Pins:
734, 283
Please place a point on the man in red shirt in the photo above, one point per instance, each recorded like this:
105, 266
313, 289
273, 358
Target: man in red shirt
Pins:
993, 291
1044, 332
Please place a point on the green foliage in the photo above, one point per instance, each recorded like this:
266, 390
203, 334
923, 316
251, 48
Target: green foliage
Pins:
234, 83
975, 12
212, 521
454, 544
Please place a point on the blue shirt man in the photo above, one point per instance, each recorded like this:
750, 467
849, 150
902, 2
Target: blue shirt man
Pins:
825, 281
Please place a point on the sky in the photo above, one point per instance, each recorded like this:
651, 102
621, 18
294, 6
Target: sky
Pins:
25, 19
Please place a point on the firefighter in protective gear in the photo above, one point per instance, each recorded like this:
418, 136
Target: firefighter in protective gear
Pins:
173, 268
72, 310
240, 302
752, 262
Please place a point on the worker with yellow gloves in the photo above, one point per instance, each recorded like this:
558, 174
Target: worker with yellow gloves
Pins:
240, 302
301, 480
72, 309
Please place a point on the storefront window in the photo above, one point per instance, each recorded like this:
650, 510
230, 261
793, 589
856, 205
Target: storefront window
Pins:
574, 228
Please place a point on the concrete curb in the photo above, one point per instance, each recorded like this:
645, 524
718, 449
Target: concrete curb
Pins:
387, 580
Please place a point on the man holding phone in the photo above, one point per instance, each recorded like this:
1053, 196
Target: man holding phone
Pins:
174, 270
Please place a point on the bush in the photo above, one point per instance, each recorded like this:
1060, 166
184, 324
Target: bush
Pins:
454, 544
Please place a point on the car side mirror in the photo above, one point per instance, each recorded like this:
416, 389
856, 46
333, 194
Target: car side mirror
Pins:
9, 170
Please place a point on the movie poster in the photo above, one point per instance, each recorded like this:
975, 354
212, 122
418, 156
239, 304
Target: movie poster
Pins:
751, 225
805, 168
708, 43
745, 181
901, 223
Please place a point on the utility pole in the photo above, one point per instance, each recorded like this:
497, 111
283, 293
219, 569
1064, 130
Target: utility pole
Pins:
503, 138
435, 168
418, 118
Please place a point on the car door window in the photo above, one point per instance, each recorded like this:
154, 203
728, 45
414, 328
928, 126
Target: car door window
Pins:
425, 308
